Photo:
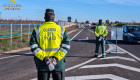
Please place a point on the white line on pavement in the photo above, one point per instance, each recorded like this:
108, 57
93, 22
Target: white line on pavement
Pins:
91, 77
110, 48
9, 57
77, 34
112, 65
12, 56
90, 31
118, 57
76, 66
121, 49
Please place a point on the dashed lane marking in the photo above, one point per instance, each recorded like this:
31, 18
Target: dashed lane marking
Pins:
112, 65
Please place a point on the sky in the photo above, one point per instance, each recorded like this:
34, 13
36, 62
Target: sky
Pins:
82, 10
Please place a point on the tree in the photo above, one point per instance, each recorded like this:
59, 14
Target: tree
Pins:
107, 22
87, 22
69, 19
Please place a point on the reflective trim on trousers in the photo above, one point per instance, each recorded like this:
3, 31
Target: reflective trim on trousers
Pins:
66, 46
34, 46
63, 50
37, 50
53, 49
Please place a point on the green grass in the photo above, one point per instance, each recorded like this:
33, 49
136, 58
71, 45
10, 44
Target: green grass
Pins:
16, 43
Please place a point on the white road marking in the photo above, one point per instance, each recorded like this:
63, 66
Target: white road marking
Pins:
9, 57
83, 39
90, 77
118, 57
112, 65
77, 34
121, 49
76, 66
91, 31
81, 64
12, 56
111, 47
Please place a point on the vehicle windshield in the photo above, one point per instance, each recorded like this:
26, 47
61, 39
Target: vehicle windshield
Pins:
133, 28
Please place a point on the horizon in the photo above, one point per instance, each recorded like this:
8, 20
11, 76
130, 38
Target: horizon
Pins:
82, 10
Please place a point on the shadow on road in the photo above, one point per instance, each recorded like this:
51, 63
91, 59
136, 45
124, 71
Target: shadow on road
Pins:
122, 42
81, 56
88, 41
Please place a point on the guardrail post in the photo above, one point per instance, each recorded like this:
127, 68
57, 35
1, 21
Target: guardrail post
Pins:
28, 31
11, 34
21, 32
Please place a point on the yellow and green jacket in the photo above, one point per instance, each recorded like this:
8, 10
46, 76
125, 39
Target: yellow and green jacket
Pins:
101, 30
49, 40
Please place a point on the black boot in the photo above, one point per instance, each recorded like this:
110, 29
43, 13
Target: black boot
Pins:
95, 56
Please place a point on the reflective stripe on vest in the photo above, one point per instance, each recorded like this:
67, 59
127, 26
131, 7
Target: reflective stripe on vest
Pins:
66, 46
34, 46
38, 49
54, 49
63, 50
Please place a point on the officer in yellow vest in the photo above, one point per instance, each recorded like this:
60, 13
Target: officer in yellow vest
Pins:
50, 44
100, 32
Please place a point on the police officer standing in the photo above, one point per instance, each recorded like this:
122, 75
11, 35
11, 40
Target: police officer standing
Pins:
50, 44
100, 32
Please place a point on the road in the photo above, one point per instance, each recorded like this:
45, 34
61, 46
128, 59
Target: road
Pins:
80, 64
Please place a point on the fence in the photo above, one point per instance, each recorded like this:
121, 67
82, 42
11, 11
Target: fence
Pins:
14, 33
16, 30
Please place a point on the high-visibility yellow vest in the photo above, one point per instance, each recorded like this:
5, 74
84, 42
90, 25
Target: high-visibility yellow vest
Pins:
49, 36
101, 30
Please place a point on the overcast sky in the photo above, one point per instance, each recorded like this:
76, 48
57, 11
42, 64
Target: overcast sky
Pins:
82, 10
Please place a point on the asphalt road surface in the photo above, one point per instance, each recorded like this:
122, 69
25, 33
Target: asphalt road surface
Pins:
80, 64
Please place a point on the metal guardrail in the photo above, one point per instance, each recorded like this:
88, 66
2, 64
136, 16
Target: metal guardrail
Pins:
18, 30
9, 30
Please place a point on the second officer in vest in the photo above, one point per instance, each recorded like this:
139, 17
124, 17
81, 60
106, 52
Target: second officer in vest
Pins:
50, 44
100, 32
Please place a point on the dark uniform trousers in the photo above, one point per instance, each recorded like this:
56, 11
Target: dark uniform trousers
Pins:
102, 42
56, 74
